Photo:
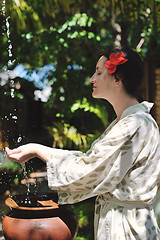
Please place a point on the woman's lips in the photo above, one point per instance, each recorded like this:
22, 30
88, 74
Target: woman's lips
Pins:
94, 87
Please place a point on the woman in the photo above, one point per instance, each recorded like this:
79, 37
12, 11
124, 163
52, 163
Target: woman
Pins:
122, 166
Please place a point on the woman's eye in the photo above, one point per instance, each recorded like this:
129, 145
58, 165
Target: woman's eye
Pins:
98, 73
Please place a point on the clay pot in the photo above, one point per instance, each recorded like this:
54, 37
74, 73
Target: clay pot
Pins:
32, 221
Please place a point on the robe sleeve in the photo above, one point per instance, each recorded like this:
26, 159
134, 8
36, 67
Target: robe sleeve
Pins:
78, 176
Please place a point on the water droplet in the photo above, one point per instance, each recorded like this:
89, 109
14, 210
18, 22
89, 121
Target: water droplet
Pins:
12, 92
12, 82
3, 7
14, 117
19, 139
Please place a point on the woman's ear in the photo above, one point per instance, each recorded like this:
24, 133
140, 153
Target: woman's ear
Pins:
118, 80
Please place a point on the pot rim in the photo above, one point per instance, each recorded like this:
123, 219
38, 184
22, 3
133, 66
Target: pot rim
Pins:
29, 208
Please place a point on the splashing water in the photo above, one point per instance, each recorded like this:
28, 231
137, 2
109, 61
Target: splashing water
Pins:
10, 62
27, 199
10, 55
25, 177
3, 7
9, 40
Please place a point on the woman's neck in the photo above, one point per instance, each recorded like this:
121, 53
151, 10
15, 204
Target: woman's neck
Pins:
121, 104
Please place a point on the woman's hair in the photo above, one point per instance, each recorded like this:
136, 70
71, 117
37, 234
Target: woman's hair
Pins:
131, 72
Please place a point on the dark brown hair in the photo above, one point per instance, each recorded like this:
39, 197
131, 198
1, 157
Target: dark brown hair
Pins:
131, 72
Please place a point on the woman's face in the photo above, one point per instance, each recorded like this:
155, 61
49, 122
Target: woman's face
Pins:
103, 82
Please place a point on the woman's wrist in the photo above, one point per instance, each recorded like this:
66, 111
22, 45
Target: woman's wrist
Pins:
35, 149
39, 151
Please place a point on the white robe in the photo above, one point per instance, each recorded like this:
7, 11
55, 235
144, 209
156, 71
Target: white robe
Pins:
122, 169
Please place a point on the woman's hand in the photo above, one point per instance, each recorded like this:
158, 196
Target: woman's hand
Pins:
21, 154
26, 152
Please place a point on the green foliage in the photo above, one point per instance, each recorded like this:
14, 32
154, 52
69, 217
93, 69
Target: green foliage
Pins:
16, 181
6, 165
72, 41
85, 213
66, 136
13, 166
81, 238
10, 175
99, 111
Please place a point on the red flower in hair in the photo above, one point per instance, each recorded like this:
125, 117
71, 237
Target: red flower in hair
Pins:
114, 61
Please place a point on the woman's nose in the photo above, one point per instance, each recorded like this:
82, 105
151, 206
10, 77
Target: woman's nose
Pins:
92, 79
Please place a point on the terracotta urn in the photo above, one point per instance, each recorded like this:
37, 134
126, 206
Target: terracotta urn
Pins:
38, 217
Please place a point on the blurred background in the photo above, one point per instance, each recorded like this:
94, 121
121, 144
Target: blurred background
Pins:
48, 51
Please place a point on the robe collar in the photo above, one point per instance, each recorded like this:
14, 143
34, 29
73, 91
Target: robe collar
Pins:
141, 107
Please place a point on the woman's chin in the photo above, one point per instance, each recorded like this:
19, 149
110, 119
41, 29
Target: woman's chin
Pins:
94, 95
